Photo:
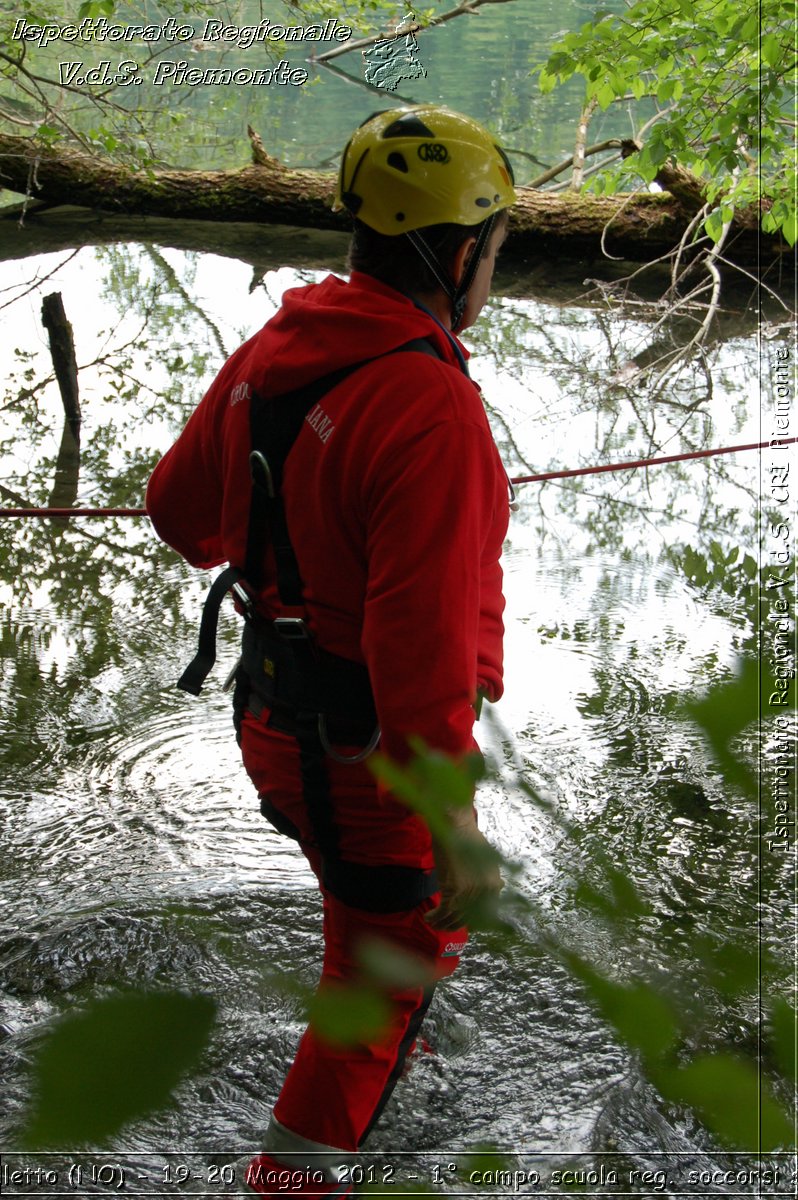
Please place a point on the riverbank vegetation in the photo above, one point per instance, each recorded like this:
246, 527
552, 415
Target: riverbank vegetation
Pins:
706, 87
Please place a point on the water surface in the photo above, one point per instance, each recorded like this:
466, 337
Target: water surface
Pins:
132, 852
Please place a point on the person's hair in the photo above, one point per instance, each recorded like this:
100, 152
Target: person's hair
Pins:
393, 260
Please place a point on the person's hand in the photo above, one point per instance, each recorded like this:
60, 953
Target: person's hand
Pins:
468, 873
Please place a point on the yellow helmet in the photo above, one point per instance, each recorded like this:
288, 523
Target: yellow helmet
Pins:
408, 168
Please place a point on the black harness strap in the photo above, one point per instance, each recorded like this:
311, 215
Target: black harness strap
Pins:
200, 666
301, 684
275, 423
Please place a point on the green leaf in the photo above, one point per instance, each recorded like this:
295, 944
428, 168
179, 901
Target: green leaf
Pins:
714, 225
546, 82
733, 969
388, 964
624, 900
657, 152
431, 784
627, 900
345, 1014
723, 714
771, 49
785, 1034
733, 1102
97, 8
789, 229
638, 1014
115, 1061
716, 47
560, 64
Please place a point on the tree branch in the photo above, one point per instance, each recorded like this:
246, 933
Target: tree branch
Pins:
581, 139
466, 6
553, 172
37, 283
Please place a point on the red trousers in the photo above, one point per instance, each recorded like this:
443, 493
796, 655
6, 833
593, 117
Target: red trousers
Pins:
333, 1094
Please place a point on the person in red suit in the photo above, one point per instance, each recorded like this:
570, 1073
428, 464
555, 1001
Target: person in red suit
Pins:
343, 464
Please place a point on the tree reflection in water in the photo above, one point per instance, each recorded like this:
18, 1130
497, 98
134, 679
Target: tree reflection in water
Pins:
97, 617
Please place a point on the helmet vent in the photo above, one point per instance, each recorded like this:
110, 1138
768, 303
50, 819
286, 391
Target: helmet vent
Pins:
398, 161
400, 216
408, 126
507, 164
371, 116
482, 201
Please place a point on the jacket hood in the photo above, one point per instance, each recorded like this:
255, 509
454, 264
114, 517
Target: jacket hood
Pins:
332, 324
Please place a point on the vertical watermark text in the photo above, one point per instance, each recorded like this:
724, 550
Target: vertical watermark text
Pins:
778, 628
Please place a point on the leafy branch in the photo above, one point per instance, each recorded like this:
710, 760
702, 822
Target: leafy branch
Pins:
726, 88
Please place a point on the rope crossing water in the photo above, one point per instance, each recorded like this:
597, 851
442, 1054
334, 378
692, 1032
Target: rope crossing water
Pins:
649, 462
602, 469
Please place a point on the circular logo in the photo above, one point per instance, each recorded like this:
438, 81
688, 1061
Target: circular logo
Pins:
433, 152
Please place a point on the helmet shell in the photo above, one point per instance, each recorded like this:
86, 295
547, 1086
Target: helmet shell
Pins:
408, 168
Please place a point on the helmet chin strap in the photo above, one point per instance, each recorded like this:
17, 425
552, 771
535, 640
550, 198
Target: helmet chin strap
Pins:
457, 293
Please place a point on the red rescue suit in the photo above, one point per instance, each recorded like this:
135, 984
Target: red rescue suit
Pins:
397, 507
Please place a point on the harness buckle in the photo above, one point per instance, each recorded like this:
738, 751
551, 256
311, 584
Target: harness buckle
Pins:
292, 629
245, 600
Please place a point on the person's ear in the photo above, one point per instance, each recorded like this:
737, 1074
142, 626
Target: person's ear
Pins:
461, 258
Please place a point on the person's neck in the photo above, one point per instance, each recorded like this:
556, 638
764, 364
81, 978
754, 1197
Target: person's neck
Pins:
437, 304
446, 325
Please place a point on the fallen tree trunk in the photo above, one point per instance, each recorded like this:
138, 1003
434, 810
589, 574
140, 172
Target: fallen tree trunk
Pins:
637, 227
549, 280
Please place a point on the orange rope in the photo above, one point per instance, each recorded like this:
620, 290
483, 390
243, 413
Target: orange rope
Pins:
621, 466
73, 512
649, 462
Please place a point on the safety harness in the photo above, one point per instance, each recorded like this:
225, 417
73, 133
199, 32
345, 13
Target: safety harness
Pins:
320, 698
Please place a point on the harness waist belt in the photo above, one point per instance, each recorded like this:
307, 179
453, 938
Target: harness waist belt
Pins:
299, 677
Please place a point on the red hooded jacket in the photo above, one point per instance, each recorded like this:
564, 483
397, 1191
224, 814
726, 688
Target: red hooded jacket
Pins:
395, 495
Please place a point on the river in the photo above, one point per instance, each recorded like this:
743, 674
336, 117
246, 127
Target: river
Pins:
131, 851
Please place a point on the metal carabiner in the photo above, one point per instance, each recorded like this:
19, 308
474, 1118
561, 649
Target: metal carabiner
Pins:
261, 473
347, 759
